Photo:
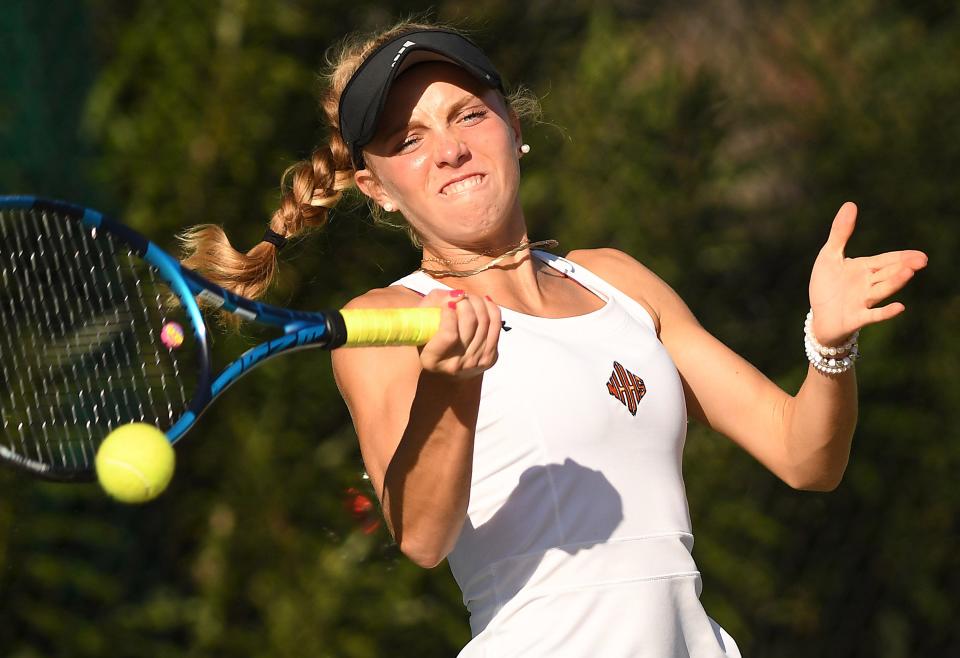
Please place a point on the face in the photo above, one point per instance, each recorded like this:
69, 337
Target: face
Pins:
446, 156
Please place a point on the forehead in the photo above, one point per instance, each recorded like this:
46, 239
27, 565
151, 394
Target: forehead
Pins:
430, 86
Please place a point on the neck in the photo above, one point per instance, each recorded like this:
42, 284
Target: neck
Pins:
522, 283
470, 264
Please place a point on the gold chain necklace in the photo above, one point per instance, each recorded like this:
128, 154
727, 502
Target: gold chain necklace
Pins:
524, 244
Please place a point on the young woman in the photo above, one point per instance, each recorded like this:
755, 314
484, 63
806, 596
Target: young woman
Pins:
536, 440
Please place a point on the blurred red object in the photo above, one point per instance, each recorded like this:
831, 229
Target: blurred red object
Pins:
363, 510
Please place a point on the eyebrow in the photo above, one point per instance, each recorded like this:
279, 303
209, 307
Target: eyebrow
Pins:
455, 108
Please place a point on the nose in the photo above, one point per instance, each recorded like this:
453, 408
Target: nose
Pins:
451, 150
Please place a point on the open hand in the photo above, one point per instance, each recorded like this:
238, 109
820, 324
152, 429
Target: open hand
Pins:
845, 292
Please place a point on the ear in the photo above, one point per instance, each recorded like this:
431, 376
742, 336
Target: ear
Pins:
370, 185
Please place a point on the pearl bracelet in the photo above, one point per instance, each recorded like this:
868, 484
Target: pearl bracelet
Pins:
829, 360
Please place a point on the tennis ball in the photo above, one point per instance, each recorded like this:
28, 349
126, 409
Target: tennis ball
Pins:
135, 463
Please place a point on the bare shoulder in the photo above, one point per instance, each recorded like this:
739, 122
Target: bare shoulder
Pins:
608, 257
615, 264
386, 357
629, 275
389, 297
632, 277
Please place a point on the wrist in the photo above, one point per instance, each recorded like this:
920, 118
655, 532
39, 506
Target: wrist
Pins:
443, 385
831, 359
813, 325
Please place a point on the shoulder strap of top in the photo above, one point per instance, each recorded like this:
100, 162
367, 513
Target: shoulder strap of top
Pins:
420, 283
599, 286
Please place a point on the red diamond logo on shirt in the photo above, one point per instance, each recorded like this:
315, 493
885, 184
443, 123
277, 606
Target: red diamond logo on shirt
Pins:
626, 387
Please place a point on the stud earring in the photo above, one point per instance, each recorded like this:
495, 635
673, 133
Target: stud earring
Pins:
525, 149
388, 207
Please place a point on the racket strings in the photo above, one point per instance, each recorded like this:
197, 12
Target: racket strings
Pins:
82, 318
18, 364
101, 334
38, 263
174, 405
70, 348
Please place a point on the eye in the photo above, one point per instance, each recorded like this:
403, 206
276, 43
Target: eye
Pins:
407, 143
473, 116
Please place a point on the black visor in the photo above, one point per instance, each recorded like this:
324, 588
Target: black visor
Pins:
364, 96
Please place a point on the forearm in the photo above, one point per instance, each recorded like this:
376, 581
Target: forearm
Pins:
820, 420
427, 483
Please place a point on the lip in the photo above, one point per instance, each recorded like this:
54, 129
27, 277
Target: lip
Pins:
457, 179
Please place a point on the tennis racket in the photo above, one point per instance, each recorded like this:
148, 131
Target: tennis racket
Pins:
100, 327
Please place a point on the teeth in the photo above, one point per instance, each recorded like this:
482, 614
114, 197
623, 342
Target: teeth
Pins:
462, 185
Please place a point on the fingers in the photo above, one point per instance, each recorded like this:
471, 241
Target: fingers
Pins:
493, 333
466, 342
473, 323
890, 284
441, 297
875, 315
915, 260
446, 300
885, 272
842, 228
897, 268
890, 272
481, 317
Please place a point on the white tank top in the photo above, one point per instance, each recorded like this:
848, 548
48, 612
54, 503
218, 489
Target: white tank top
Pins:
577, 538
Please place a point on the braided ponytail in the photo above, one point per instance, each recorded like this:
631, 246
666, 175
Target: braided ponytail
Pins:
310, 189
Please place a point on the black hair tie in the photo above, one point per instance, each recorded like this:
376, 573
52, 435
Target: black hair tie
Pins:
274, 238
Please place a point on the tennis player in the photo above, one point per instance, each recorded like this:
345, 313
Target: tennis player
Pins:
535, 442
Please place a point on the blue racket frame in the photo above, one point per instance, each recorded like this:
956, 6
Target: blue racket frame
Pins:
301, 329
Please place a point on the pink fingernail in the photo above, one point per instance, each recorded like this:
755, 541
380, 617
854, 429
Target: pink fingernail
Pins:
487, 297
452, 304
456, 293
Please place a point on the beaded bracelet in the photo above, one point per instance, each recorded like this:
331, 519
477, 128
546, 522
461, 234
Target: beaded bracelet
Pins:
829, 360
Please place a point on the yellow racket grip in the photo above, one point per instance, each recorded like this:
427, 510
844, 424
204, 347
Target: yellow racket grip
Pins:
390, 326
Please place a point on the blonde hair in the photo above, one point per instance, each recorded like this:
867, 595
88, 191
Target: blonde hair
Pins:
309, 188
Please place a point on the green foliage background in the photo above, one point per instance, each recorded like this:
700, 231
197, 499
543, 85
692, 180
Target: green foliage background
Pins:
714, 141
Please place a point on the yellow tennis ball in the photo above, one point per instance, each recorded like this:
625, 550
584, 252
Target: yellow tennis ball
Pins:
135, 463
